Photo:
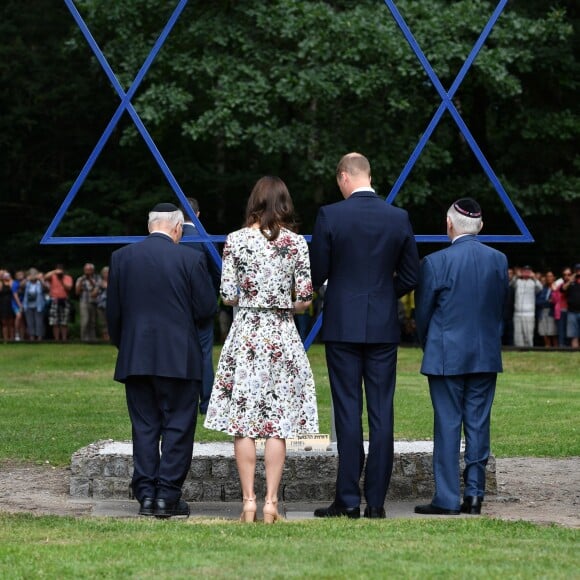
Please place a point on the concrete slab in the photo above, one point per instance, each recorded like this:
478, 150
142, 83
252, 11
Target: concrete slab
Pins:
226, 448
102, 471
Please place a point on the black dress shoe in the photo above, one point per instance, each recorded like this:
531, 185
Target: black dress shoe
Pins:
375, 512
471, 505
334, 511
163, 509
147, 506
433, 510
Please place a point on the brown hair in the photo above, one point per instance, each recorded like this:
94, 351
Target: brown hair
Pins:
270, 205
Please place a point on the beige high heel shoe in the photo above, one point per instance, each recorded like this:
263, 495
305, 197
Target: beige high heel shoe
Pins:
249, 510
271, 514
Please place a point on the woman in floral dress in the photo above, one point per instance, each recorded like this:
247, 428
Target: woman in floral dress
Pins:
264, 386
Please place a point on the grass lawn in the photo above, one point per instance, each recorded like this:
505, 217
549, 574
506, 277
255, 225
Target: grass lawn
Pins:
58, 398
55, 399
51, 547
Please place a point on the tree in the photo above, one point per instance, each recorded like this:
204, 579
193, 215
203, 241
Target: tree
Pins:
243, 89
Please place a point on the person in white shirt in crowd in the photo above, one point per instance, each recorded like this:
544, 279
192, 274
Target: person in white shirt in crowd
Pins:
526, 287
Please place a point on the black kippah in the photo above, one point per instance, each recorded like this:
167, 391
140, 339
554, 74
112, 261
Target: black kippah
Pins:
165, 208
468, 207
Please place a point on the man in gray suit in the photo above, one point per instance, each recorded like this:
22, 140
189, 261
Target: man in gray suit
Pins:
459, 306
158, 294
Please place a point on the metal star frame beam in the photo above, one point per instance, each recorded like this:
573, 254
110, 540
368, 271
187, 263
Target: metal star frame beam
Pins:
126, 105
447, 104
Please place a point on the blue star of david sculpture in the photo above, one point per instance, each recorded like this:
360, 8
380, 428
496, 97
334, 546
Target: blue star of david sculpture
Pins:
203, 236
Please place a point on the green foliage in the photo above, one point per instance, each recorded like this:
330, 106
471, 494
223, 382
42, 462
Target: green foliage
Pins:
244, 89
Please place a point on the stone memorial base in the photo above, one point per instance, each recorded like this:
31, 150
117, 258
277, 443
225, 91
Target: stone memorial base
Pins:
102, 470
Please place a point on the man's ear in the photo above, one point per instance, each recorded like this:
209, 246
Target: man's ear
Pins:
480, 227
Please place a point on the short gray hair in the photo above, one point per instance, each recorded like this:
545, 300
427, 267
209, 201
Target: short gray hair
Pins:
172, 218
463, 224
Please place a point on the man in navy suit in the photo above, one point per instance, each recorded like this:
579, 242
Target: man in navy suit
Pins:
366, 250
459, 306
157, 294
205, 330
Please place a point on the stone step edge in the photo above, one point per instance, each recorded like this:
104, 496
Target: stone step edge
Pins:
103, 470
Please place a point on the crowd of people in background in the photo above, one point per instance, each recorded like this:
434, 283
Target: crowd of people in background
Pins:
541, 311
37, 305
543, 308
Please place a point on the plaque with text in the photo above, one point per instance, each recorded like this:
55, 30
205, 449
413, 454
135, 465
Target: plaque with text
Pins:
306, 442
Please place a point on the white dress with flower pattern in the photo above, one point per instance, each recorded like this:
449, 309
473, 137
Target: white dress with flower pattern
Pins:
263, 385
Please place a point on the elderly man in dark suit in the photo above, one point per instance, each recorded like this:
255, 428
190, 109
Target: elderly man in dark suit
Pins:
459, 306
366, 250
158, 293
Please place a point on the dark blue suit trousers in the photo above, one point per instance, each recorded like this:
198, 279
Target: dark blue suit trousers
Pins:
161, 408
376, 364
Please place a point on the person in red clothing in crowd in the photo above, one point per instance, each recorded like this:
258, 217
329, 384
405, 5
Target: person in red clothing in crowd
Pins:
60, 285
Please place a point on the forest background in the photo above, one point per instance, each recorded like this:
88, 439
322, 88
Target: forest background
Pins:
243, 89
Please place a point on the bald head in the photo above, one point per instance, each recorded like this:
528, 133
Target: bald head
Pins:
352, 172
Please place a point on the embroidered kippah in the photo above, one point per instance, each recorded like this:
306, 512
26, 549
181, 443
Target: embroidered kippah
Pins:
468, 207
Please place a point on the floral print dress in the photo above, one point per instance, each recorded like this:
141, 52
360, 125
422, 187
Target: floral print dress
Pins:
263, 385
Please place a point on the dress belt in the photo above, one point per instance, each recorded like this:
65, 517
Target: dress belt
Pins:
266, 309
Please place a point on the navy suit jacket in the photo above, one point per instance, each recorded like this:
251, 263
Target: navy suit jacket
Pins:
366, 250
213, 268
157, 292
459, 307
